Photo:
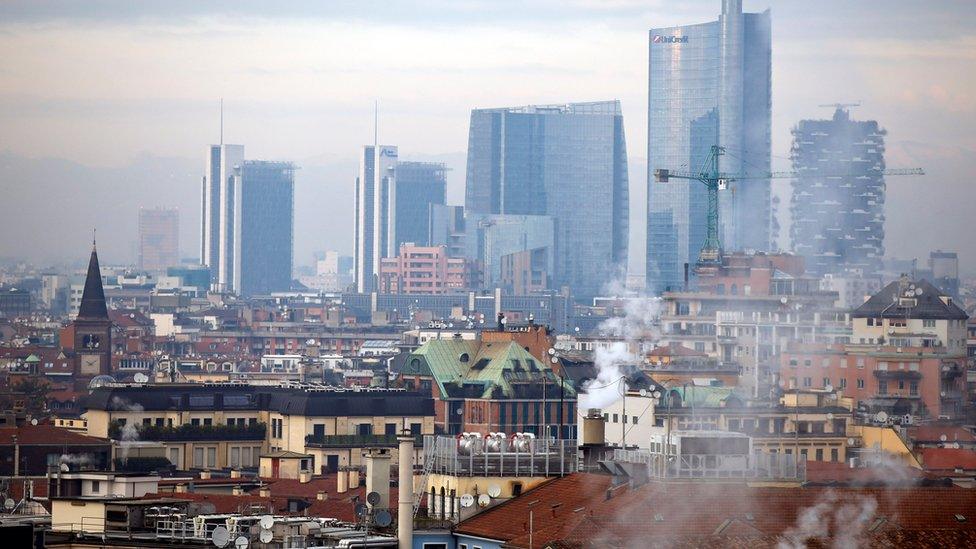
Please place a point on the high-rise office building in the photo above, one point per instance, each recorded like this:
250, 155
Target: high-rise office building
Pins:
418, 185
159, 238
263, 235
568, 162
838, 220
217, 212
709, 84
377, 170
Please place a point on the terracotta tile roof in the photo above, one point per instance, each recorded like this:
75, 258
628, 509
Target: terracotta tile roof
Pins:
939, 459
832, 471
575, 508
934, 433
674, 350
46, 434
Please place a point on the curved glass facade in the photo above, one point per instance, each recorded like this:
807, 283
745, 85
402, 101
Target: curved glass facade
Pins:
709, 84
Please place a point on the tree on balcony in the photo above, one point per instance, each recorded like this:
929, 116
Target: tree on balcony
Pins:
188, 431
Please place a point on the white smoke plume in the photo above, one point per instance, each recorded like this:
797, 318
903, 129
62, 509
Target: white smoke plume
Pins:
129, 433
637, 328
844, 523
606, 388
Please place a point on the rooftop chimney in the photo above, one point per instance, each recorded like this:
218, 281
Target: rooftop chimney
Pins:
378, 474
238, 490
342, 481
405, 492
204, 475
322, 495
264, 491
234, 473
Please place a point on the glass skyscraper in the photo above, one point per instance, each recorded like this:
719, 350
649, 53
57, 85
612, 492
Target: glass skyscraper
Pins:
709, 84
418, 185
568, 162
264, 227
376, 172
217, 212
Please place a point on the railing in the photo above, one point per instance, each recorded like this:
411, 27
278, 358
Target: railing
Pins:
356, 441
543, 458
758, 466
190, 432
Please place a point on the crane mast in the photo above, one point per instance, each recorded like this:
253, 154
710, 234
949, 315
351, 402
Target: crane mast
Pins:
710, 255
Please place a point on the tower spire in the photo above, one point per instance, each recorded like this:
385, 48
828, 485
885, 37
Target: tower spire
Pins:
221, 121
376, 123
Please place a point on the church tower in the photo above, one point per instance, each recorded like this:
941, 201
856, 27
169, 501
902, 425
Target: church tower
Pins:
92, 328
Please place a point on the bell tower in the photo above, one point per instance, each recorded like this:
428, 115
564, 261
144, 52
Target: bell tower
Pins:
92, 328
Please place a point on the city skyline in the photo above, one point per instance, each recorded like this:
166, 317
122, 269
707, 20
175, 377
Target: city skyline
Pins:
910, 85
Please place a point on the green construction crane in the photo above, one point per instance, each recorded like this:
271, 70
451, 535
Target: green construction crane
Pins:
715, 181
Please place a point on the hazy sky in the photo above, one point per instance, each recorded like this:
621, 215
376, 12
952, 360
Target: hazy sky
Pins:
100, 83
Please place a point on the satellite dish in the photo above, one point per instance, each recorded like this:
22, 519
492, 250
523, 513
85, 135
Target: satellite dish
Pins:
267, 522
483, 500
881, 417
266, 536
830, 416
140, 377
551, 351
494, 490
241, 542
918, 291
383, 518
851, 441
361, 510
34, 421
220, 536
554, 360
373, 498
9, 504
783, 300
943, 438
829, 388
504, 320
467, 500
459, 411
643, 392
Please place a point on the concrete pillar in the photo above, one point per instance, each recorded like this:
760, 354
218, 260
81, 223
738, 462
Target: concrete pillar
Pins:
405, 493
378, 475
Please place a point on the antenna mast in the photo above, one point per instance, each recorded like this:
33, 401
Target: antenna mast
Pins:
221, 121
376, 116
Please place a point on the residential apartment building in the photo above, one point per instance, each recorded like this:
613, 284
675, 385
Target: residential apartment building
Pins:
427, 270
837, 205
907, 355
217, 426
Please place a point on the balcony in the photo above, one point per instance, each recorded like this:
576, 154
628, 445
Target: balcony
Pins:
897, 374
357, 441
189, 432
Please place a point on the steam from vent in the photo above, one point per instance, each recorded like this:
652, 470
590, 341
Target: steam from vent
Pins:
842, 522
129, 433
638, 325
606, 389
